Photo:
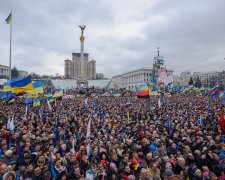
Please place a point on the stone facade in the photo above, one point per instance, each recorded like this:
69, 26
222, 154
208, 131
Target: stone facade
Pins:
4, 71
130, 79
23, 73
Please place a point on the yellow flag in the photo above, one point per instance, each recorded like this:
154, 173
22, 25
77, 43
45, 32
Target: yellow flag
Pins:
9, 19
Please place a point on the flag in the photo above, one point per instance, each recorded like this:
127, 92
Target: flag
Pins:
222, 121
115, 94
223, 100
159, 103
7, 96
58, 93
88, 137
214, 90
27, 109
9, 143
36, 102
28, 100
215, 95
64, 135
22, 84
7, 86
53, 173
19, 150
221, 94
18, 175
12, 126
38, 89
9, 19
86, 103
142, 90
169, 125
56, 133
48, 94
49, 105
201, 121
10, 123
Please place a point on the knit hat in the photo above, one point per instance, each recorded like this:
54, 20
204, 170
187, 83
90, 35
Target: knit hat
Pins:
9, 152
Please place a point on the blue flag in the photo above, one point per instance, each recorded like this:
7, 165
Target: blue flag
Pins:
9, 143
19, 150
18, 175
53, 173
56, 133
28, 100
201, 122
169, 125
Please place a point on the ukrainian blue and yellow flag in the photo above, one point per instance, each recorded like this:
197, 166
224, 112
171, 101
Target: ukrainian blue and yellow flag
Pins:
7, 86
153, 91
58, 93
115, 94
9, 19
22, 84
48, 95
36, 102
38, 89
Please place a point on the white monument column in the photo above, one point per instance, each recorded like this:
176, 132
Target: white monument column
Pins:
82, 73
82, 81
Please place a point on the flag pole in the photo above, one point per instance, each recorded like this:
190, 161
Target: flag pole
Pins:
10, 49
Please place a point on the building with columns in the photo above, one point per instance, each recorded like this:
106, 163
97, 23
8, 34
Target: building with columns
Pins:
205, 77
183, 79
130, 79
23, 73
73, 67
4, 71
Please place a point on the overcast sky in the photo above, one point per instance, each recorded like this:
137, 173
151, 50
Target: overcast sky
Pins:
121, 35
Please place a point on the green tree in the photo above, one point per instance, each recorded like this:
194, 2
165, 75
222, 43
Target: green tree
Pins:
14, 73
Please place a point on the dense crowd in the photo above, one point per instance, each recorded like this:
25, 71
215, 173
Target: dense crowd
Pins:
131, 138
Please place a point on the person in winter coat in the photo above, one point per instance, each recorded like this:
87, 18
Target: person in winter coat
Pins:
92, 174
197, 175
127, 172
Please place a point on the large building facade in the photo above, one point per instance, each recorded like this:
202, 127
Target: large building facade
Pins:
130, 79
73, 68
23, 73
206, 78
4, 71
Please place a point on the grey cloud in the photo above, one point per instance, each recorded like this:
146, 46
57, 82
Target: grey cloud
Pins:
120, 35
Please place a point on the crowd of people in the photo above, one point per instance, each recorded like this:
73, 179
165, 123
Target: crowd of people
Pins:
130, 138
